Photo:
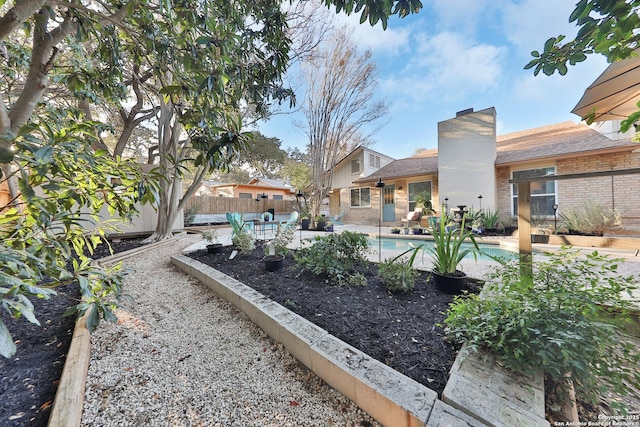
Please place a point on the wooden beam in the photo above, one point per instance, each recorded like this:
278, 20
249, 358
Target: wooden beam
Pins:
524, 228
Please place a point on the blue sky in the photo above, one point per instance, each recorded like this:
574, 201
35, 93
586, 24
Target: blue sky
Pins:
461, 54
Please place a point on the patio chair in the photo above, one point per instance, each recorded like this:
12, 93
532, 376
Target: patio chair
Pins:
337, 219
291, 222
266, 219
413, 217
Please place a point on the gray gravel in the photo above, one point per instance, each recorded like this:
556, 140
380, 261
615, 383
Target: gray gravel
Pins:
180, 356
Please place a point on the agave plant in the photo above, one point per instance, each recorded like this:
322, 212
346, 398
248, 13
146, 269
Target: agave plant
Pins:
447, 250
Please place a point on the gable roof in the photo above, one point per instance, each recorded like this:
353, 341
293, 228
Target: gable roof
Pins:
268, 182
424, 164
561, 140
358, 149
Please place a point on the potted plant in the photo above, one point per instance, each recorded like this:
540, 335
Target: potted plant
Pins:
395, 230
328, 227
210, 236
416, 229
304, 222
448, 252
406, 230
320, 222
276, 250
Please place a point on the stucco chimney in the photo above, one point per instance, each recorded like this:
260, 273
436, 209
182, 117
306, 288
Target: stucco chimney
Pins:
466, 159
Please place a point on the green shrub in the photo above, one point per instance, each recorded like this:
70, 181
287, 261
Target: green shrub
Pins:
398, 274
244, 242
336, 255
190, 214
491, 219
567, 319
592, 218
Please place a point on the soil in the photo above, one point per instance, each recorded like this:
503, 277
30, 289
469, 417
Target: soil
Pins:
400, 330
30, 379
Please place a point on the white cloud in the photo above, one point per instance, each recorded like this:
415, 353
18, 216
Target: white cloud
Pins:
530, 23
392, 41
448, 66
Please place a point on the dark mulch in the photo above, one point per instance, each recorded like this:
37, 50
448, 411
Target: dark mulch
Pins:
400, 330
30, 379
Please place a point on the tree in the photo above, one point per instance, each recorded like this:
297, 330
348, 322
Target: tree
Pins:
339, 105
261, 156
200, 62
608, 28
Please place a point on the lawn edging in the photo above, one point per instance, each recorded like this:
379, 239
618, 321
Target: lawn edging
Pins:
388, 396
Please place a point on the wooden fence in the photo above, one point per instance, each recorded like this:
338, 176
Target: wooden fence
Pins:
221, 205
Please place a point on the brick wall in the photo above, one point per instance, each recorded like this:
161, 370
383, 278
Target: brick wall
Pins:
619, 192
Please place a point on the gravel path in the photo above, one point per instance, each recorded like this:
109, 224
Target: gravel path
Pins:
180, 356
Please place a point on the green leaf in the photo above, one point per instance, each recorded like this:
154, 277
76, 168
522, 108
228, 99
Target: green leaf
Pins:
6, 155
7, 346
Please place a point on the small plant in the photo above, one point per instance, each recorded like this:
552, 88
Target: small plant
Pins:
190, 214
491, 220
244, 242
447, 250
423, 200
398, 274
336, 255
210, 236
395, 230
284, 236
568, 319
592, 218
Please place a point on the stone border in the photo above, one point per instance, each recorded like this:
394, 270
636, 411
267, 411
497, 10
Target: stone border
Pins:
387, 395
480, 387
69, 399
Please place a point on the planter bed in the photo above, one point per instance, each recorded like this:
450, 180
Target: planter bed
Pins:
399, 330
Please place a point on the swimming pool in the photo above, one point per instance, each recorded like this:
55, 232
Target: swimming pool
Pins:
401, 245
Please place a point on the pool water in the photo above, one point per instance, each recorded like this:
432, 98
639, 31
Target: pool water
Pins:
486, 250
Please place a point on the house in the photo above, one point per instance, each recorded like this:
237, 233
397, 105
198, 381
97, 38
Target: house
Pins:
258, 187
472, 167
344, 196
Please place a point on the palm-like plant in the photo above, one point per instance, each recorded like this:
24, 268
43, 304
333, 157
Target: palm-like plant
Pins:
447, 250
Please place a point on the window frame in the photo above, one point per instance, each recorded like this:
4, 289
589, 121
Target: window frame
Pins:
514, 197
411, 204
360, 191
357, 162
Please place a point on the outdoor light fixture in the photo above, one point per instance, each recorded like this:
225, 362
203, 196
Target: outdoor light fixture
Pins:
480, 200
446, 204
380, 185
555, 217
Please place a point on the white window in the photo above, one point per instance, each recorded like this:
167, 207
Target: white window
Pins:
277, 197
361, 197
245, 195
416, 188
374, 161
543, 193
355, 165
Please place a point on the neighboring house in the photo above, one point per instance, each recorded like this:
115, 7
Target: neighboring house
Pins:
472, 161
344, 196
258, 187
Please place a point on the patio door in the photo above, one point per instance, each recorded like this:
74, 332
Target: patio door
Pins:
389, 206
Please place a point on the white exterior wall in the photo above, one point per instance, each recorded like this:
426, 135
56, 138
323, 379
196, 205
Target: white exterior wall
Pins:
466, 159
144, 222
611, 129
342, 176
